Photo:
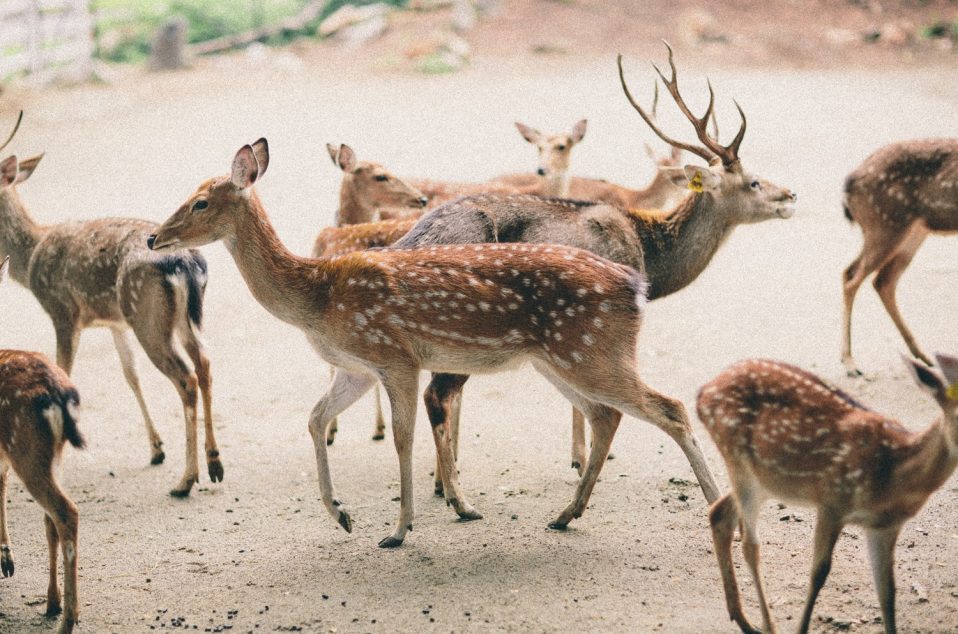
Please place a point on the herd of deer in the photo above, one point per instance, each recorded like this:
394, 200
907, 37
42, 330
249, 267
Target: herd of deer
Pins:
479, 277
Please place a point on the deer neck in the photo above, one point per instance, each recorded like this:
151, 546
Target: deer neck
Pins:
19, 235
557, 185
680, 244
288, 286
931, 462
655, 194
352, 208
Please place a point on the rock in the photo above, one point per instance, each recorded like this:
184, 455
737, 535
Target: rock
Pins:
168, 48
350, 15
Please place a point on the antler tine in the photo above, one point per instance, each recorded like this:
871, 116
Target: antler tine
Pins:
655, 100
15, 128
698, 151
737, 141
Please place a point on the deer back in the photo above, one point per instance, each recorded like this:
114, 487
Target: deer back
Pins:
333, 241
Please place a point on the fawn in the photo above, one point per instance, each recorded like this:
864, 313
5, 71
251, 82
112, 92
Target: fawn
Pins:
100, 273
38, 413
368, 189
785, 433
374, 316
898, 196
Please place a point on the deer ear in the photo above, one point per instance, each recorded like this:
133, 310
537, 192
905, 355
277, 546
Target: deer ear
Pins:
245, 169
261, 152
346, 158
698, 178
578, 131
949, 368
8, 171
529, 134
26, 168
926, 378
4, 267
333, 153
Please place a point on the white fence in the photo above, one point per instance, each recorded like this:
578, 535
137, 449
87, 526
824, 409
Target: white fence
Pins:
46, 39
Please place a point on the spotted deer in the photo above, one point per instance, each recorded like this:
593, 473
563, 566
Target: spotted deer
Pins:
785, 433
898, 196
100, 273
551, 177
388, 314
368, 189
38, 414
671, 247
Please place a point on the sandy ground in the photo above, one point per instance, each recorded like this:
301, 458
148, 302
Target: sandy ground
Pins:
258, 552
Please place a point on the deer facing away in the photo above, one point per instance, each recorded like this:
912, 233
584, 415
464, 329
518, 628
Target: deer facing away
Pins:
371, 315
38, 412
784, 433
100, 273
898, 196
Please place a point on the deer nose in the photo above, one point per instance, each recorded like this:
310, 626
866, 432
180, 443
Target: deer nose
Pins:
423, 201
151, 241
541, 171
792, 196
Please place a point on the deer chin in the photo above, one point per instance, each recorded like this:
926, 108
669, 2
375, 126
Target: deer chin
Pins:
785, 211
169, 245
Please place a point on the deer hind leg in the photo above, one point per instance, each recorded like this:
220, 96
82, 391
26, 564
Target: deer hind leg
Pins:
443, 399
379, 432
345, 389
881, 553
68, 337
826, 534
334, 424
127, 360
878, 245
723, 518
886, 283
402, 385
578, 441
6, 557
749, 502
201, 364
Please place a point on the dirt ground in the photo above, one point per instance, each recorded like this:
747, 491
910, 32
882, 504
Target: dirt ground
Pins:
259, 553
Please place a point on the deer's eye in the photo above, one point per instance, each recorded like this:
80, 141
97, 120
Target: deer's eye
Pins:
560, 147
200, 205
756, 185
381, 177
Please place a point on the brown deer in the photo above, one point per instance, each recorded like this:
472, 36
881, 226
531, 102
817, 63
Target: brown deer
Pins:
388, 314
38, 412
898, 196
671, 247
551, 178
785, 433
368, 188
100, 273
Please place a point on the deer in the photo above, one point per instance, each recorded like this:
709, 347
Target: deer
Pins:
368, 189
38, 416
785, 433
671, 247
384, 315
100, 273
898, 196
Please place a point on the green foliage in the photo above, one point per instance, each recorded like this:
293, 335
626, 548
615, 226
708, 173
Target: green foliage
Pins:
942, 29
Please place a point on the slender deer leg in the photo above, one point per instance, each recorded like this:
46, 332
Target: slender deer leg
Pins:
578, 441
441, 399
201, 364
380, 432
53, 584
886, 283
749, 503
68, 336
128, 361
334, 424
345, 389
724, 517
881, 552
6, 558
402, 385
826, 534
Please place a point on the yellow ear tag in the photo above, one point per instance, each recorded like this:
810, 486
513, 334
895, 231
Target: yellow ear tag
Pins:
952, 391
695, 183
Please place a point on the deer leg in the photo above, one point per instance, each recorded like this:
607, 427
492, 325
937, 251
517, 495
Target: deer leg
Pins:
578, 441
441, 398
334, 424
6, 558
379, 433
881, 552
402, 385
201, 364
723, 518
749, 502
127, 360
826, 534
886, 283
68, 336
345, 389
53, 584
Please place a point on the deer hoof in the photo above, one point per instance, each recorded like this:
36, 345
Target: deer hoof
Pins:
6, 562
469, 514
438, 489
158, 458
379, 436
53, 609
183, 490
345, 521
558, 525
66, 626
390, 542
216, 470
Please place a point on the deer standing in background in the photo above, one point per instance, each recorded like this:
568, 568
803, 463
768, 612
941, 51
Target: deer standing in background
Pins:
672, 248
367, 188
784, 433
551, 178
100, 273
38, 412
388, 314
898, 196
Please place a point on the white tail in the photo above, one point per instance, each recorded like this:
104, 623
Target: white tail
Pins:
38, 410
899, 195
371, 314
784, 433
101, 273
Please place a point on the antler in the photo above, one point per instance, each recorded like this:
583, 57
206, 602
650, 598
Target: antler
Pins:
712, 148
15, 128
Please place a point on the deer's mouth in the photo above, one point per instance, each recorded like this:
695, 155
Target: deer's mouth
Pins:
786, 211
158, 244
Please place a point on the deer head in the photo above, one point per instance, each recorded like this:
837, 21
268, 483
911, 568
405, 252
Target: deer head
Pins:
555, 150
941, 387
743, 195
372, 182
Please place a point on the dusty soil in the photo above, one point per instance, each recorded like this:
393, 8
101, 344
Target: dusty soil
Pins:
258, 552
